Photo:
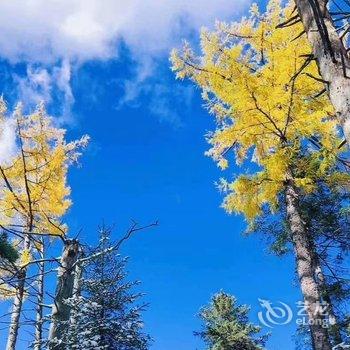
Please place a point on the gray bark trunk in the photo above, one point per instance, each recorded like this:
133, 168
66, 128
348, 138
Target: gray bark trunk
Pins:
331, 57
78, 272
64, 290
306, 269
332, 318
17, 304
40, 300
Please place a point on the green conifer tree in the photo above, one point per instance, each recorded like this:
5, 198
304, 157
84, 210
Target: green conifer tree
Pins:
226, 325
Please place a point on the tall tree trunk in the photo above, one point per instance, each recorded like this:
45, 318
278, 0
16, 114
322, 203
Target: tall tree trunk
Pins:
331, 56
64, 290
78, 273
73, 321
17, 303
306, 269
332, 318
40, 301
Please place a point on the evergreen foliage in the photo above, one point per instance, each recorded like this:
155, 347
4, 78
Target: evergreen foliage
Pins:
226, 325
7, 250
105, 314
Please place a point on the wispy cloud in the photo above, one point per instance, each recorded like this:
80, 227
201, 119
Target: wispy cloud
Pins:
43, 84
47, 31
55, 37
35, 86
7, 141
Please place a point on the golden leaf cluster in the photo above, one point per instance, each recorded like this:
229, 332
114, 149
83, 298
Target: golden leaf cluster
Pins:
263, 87
34, 194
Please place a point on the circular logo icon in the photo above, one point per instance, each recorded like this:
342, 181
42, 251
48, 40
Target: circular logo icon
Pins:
274, 315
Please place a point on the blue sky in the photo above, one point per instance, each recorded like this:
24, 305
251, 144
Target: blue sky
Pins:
140, 168
146, 157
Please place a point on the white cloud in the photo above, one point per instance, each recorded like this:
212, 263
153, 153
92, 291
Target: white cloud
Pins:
39, 83
62, 77
54, 37
164, 100
7, 141
47, 31
163, 106
36, 86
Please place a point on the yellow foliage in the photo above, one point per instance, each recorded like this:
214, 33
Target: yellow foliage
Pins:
257, 81
25, 257
34, 193
7, 292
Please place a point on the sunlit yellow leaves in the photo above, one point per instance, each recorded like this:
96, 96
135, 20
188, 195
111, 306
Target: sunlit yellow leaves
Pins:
25, 257
34, 194
254, 10
250, 193
259, 82
39, 246
277, 164
6, 292
339, 179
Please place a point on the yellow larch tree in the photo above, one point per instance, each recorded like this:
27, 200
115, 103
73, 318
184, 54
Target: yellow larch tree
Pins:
34, 194
265, 92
